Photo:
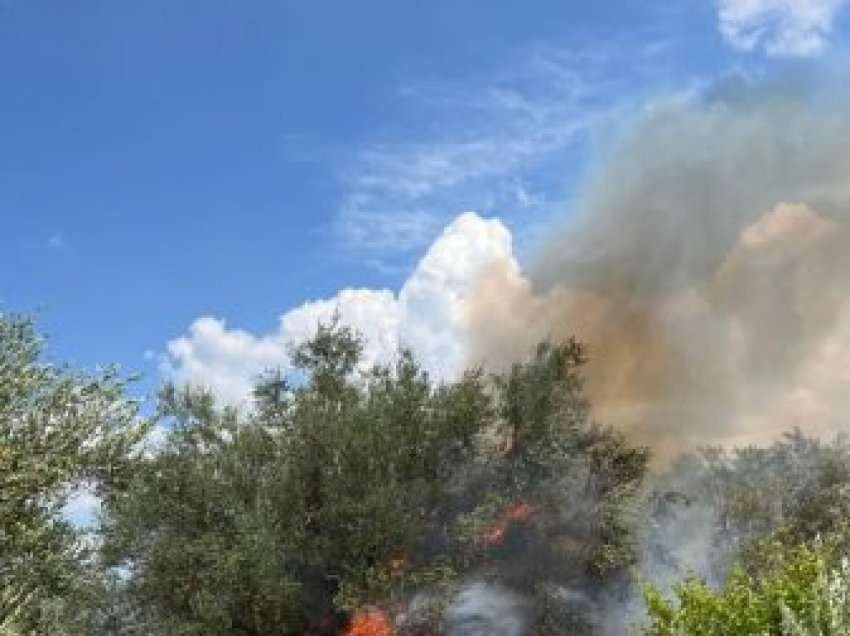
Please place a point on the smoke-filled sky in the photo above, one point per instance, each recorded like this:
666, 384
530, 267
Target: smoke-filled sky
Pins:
707, 269
186, 190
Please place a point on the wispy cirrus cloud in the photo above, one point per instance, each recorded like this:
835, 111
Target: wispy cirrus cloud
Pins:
496, 144
57, 242
789, 28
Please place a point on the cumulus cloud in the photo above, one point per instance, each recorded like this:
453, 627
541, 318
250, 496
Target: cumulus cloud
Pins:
429, 314
798, 28
222, 359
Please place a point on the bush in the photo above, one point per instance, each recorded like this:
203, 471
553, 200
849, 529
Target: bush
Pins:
797, 593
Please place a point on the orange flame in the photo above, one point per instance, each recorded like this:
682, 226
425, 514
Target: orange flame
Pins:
520, 511
370, 622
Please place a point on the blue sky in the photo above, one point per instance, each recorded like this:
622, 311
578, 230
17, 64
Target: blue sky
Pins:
167, 161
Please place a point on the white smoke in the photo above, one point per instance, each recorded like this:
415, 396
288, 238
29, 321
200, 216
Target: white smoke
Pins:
485, 610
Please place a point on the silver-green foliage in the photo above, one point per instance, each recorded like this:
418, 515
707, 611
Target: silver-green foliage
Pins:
830, 615
58, 429
795, 591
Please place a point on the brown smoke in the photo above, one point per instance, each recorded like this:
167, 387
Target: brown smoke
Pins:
708, 271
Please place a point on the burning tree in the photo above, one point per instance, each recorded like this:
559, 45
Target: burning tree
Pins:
370, 621
343, 499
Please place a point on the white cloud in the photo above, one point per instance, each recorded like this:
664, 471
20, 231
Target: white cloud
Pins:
428, 314
434, 301
800, 28
225, 360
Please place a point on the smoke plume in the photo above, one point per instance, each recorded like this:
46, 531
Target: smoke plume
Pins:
707, 270
485, 610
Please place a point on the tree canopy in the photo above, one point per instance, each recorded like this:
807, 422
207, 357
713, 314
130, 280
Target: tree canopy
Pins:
373, 502
351, 488
59, 429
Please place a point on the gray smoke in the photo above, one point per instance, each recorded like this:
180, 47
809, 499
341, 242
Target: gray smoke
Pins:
707, 269
485, 610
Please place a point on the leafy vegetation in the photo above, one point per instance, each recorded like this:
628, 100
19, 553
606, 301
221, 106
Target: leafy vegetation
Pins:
366, 501
356, 489
796, 593
58, 429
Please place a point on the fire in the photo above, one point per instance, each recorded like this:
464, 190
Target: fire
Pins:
520, 511
396, 567
370, 622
